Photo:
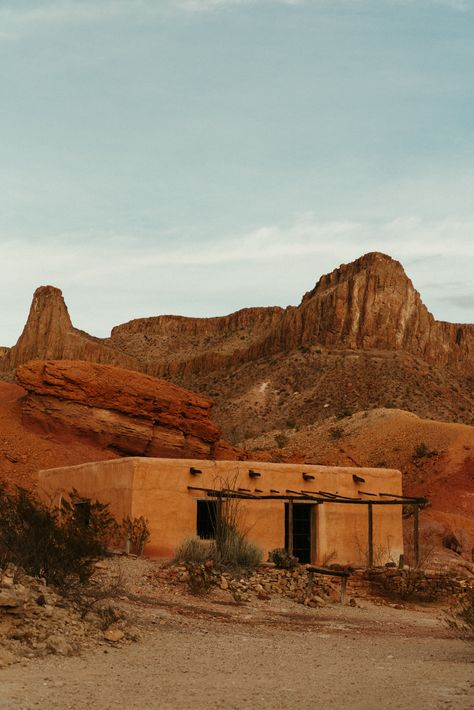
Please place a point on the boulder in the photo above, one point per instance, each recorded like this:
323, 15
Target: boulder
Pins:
132, 413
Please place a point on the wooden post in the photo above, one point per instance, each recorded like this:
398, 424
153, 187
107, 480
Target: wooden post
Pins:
370, 536
416, 535
290, 527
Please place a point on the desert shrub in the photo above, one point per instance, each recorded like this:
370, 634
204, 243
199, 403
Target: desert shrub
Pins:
200, 577
108, 615
422, 451
461, 618
193, 549
282, 559
281, 440
344, 413
232, 549
137, 533
59, 544
336, 432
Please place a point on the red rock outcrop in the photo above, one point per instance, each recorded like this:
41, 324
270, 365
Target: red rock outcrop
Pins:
127, 411
49, 333
367, 304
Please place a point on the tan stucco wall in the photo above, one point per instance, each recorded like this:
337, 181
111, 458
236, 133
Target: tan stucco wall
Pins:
158, 490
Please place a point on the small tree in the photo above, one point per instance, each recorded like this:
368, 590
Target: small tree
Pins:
137, 533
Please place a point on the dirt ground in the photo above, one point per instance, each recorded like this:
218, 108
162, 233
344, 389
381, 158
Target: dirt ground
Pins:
212, 653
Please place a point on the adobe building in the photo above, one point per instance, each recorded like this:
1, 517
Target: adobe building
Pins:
321, 514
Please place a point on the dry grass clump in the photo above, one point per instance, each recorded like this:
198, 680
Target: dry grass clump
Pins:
193, 549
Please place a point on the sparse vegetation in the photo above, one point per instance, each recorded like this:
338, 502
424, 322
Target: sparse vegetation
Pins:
281, 440
229, 549
59, 544
137, 533
193, 550
346, 412
282, 559
336, 432
421, 451
461, 619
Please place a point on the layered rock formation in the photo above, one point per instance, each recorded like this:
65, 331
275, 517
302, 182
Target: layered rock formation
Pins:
368, 311
49, 333
126, 411
367, 304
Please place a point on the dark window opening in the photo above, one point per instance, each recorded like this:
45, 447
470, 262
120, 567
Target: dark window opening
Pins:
82, 512
206, 519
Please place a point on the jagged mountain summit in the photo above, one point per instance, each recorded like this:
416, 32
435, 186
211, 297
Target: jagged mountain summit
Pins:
360, 338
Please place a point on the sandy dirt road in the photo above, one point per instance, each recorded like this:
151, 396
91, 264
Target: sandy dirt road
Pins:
365, 659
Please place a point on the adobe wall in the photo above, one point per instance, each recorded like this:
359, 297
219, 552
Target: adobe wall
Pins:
158, 490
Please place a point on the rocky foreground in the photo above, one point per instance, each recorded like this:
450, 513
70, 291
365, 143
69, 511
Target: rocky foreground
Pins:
166, 648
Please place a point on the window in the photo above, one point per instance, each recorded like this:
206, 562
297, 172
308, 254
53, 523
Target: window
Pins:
206, 519
82, 512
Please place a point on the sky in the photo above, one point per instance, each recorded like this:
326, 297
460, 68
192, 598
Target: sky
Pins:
195, 157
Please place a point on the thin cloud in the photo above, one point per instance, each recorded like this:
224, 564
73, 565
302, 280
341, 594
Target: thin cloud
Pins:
274, 264
46, 12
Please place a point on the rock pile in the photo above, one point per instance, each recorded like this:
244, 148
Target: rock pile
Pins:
267, 581
413, 584
35, 621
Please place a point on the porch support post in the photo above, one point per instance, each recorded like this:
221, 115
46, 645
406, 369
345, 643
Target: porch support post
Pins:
416, 534
290, 527
370, 555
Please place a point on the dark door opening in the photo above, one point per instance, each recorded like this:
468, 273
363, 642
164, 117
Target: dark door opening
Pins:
206, 519
302, 529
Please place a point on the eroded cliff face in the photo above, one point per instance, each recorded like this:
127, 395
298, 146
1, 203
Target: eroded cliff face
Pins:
366, 305
372, 304
49, 333
126, 411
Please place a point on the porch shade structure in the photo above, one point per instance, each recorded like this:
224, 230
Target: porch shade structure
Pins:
321, 497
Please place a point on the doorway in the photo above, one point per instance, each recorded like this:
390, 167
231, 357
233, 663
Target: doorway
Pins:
303, 531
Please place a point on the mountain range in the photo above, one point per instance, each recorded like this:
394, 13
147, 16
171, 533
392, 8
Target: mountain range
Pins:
361, 338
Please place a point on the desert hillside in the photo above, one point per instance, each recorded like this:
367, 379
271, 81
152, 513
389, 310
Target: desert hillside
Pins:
360, 338
436, 458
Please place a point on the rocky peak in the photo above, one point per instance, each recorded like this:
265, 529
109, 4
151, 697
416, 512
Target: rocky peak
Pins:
49, 333
48, 321
375, 264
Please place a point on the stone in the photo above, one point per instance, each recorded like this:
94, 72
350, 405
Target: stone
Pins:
58, 645
114, 635
11, 599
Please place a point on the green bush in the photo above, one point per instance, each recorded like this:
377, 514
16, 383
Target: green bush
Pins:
59, 544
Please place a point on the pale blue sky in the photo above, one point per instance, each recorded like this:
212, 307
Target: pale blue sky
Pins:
196, 157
